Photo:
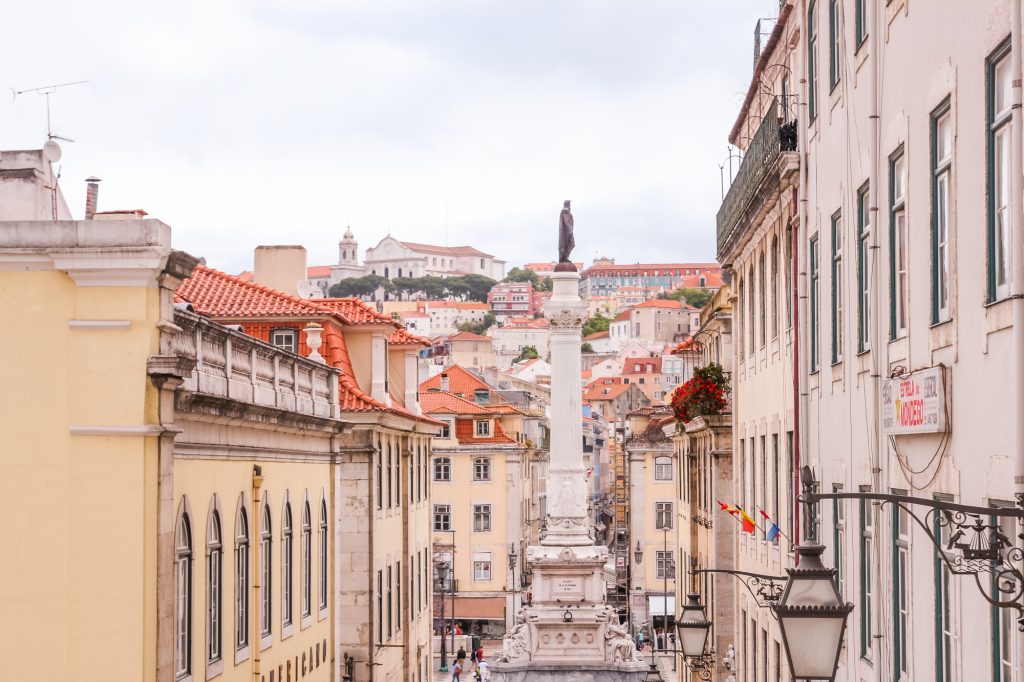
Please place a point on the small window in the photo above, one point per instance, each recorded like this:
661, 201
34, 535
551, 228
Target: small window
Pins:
241, 578
481, 565
481, 518
899, 285
442, 469
446, 429
663, 469
483, 428
942, 162
663, 515
265, 570
214, 565
306, 569
442, 517
183, 598
323, 555
666, 565
482, 469
1000, 143
286, 566
286, 339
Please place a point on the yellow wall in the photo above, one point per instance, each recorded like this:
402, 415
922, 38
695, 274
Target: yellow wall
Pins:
203, 481
80, 570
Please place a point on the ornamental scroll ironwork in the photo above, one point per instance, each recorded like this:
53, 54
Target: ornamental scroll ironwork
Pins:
975, 546
765, 589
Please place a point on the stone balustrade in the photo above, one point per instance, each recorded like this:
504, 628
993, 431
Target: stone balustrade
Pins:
234, 365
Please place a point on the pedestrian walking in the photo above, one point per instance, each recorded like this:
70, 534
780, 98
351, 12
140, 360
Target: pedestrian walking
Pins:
456, 671
461, 656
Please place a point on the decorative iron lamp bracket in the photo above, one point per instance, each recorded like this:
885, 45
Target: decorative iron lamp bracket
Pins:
766, 589
974, 547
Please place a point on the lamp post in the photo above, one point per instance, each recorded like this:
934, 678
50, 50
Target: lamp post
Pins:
638, 557
693, 628
512, 556
664, 586
442, 576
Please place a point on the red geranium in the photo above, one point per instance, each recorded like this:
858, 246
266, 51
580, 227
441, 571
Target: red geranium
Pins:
702, 395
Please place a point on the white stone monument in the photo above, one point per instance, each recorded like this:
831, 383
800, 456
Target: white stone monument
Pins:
567, 632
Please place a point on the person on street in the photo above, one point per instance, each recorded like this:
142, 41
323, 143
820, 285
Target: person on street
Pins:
456, 671
461, 656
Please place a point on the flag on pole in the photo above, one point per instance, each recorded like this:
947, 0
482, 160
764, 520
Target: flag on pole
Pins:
773, 531
743, 517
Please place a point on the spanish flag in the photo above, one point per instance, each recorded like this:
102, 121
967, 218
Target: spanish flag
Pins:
740, 515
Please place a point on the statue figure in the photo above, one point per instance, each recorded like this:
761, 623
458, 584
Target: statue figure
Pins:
618, 645
517, 642
566, 243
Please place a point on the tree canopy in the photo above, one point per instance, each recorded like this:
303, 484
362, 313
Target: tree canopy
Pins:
586, 347
471, 287
359, 286
527, 275
527, 353
479, 327
595, 324
697, 298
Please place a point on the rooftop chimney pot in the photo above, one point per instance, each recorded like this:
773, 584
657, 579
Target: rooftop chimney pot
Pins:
92, 191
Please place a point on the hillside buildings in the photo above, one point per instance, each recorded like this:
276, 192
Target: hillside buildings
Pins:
515, 334
605, 277
392, 258
515, 299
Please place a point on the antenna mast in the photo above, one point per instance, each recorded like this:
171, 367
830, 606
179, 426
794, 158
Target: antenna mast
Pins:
47, 90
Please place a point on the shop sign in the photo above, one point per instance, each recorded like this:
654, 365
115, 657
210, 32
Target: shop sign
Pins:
915, 403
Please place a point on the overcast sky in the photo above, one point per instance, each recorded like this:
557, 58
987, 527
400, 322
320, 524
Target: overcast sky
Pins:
246, 122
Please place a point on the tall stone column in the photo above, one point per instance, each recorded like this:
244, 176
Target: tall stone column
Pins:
567, 490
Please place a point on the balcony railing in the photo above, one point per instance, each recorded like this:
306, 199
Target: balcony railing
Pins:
236, 366
768, 143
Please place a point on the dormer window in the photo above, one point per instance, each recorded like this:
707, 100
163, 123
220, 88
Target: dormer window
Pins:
287, 339
482, 396
483, 428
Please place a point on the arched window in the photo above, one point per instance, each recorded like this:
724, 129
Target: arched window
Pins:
214, 564
775, 286
286, 565
482, 469
387, 272
442, 469
323, 555
390, 478
399, 272
241, 576
761, 300
750, 310
183, 596
266, 542
741, 307
662, 468
307, 562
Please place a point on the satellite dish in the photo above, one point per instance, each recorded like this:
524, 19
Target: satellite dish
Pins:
51, 150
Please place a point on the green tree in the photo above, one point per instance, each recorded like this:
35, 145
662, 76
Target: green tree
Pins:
586, 347
595, 324
697, 298
522, 275
474, 287
479, 327
359, 286
527, 353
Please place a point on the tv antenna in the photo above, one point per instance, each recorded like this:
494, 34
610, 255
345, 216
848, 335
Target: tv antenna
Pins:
47, 90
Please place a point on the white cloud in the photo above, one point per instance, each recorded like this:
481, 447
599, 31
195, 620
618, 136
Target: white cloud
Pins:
248, 122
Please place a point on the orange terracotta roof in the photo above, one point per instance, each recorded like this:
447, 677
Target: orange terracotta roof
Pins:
688, 344
666, 303
460, 381
466, 433
596, 335
525, 323
402, 337
318, 271
468, 336
639, 365
438, 402
624, 315
447, 250
597, 390
354, 310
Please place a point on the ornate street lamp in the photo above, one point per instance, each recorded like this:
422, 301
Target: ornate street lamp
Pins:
693, 627
638, 554
812, 617
442, 576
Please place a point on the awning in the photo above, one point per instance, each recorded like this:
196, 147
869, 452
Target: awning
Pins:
656, 605
487, 608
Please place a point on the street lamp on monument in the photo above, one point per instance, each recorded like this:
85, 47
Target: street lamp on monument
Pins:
512, 556
442, 576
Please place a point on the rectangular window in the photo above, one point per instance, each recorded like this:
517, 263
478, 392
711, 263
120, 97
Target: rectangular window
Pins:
861, 11
442, 517
788, 274
947, 633
666, 565
481, 565
863, 269
285, 339
446, 429
379, 456
901, 593
835, 36
775, 478
790, 516
815, 275
482, 469
753, 477
763, 501
839, 540
662, 515
898, 288
398, 596
812, 63
380, 606
442, 469
483, 428
867, 607
837, 287
663, 469
481, 518
999, 84
390, 605
942, 164
743, 473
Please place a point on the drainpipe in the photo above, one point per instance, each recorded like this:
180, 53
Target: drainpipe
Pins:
254, 570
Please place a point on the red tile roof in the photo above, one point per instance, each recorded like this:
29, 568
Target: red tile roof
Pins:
640, 365
446, 250
465, 431
606, 388
624, 315
666, 303
315, 271
468, 336
525, 323
596, 335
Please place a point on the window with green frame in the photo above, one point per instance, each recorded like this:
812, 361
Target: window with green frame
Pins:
898, 275
835, 43
998, 82
815, 276
900, 592
863, 269
867, 604
837, 287
942, 171
861, 19
947, 633
839, 540
1006, 653
812, 63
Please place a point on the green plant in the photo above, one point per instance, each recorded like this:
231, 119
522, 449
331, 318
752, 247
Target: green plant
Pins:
704, 394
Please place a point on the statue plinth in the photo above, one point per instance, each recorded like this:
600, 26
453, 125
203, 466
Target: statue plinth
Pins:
567, 632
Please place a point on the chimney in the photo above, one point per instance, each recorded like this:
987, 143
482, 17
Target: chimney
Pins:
92, 191
444, 383
280, 267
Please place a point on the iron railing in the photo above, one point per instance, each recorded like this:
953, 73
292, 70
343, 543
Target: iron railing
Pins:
761, 156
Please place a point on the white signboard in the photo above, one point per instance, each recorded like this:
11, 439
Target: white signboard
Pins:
915, 403
567, 586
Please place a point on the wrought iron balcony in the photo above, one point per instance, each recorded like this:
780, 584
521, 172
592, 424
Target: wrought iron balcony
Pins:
758, 173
